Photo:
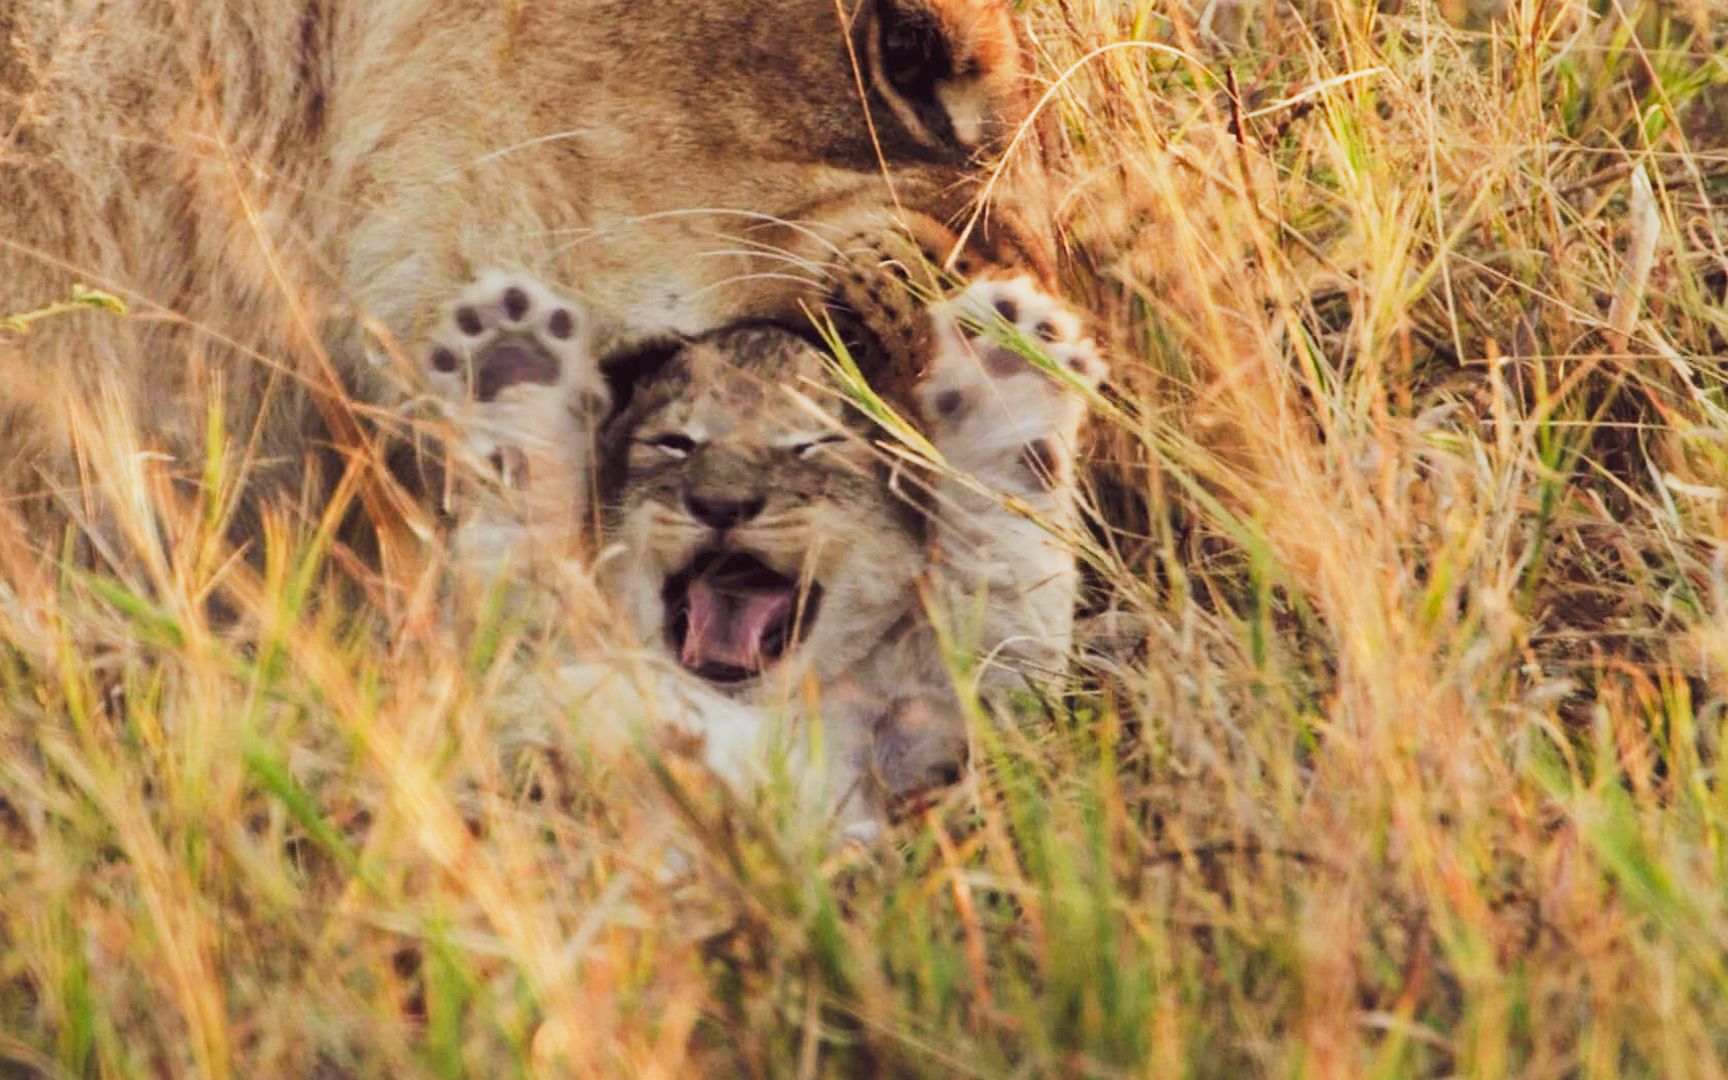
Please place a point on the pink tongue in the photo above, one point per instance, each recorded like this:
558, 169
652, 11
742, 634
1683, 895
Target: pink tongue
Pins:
728, 627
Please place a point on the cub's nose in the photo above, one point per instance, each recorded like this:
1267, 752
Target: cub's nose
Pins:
723, 513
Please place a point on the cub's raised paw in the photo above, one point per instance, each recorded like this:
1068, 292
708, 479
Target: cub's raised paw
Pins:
990, 409
512, 361
512, 358
919, 749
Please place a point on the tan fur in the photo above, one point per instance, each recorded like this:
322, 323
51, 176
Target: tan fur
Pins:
750, 414
740, 446
769, 426
289, 192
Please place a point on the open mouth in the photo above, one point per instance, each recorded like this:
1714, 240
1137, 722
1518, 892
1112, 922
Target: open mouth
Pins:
729, 617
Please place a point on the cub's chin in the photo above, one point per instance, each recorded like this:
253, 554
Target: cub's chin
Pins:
730, 618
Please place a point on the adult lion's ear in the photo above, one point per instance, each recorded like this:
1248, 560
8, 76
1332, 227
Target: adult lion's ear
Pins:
952, 71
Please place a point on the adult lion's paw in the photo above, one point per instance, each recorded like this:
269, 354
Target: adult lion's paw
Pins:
990, 409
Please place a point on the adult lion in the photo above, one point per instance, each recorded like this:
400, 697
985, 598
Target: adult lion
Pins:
292, 192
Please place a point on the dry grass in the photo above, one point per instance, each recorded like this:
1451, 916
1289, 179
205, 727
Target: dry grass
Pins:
1398, 756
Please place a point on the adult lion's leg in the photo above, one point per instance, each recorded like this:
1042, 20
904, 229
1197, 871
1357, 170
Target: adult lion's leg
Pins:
876, 269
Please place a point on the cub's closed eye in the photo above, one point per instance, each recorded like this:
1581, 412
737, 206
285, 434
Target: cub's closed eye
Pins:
674, 443
810, 446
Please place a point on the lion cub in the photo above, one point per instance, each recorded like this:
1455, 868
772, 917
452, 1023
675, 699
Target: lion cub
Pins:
761, 539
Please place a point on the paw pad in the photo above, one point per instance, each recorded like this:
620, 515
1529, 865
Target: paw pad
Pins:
505, 332
1044, 462
511, 357
990, 409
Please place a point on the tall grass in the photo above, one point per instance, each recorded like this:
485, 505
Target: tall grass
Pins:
1395, 751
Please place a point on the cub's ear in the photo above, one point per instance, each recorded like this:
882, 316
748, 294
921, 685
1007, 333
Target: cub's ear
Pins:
953, 72
628, 370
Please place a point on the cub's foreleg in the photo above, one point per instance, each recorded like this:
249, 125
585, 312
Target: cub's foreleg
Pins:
512, 360
1008, 427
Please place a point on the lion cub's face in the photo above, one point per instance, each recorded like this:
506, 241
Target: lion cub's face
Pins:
760, 541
